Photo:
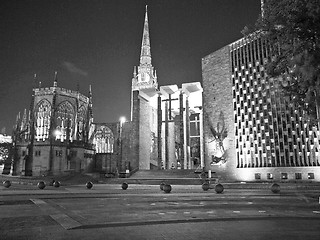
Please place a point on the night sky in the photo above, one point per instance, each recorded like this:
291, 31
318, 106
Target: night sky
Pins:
98, 42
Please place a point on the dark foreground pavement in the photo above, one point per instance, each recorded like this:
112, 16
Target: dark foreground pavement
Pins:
145, 212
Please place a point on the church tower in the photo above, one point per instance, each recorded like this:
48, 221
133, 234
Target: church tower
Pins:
144, 106
145, 77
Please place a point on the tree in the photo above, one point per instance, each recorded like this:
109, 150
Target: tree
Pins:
292, 28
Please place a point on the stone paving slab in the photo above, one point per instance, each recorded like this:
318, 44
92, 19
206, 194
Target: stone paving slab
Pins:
284, 229
104, 211
65, 221
25, 222
145, 212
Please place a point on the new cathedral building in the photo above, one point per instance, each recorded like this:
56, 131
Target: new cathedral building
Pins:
238, 125
259, 132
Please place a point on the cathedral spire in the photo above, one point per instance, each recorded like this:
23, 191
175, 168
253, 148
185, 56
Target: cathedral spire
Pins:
55, 83
145, 56
134, 72
90, 91
143, 76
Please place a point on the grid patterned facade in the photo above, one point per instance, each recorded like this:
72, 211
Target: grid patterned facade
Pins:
269, 131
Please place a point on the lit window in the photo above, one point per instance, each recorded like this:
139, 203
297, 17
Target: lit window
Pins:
269, 176
284, 175
257, 176
310, 175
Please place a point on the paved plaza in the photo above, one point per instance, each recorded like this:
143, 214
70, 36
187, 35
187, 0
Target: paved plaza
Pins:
145, 212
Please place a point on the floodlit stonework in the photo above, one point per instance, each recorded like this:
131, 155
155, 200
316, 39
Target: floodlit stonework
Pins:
236, 124
165, 131
53, 138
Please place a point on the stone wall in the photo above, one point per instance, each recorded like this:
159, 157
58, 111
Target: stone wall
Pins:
132, 152
144, 135
217, 102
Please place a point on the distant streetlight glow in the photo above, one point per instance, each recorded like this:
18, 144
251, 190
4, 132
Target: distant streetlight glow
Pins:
122, 120
57, 133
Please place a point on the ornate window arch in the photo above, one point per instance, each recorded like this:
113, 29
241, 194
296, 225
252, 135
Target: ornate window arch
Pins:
103, 140
65, 121
81, 122
42, 119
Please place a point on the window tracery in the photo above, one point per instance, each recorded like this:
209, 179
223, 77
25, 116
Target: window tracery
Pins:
42, 115
81, 123
65, 124
103, 140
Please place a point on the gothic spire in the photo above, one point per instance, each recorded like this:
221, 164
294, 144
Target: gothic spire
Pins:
90, 91
34, 84
90, 101
17, 126
90, 116
145, 56
24, 120
134, 72
55, 83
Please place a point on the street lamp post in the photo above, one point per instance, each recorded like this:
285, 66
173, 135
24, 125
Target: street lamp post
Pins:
122, 120
53, 136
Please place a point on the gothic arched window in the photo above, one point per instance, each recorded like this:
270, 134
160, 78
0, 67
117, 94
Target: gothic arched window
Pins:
103, 140
81, 122
65, 121
42, 119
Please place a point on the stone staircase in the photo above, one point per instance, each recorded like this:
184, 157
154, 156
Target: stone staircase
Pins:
166, 174
155, 177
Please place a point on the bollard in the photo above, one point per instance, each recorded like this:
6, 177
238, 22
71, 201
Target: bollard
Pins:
56, 184
167, 188
275, 188
89, 185
219, 188
205, 186
6, 183
41, 185
124, 186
